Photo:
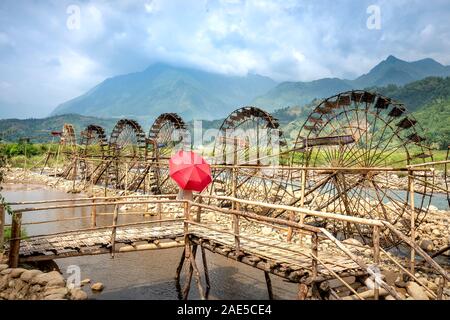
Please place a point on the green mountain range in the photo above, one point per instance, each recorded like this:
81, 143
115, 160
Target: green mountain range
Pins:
391, 71
196, 94
163, 88
39, 130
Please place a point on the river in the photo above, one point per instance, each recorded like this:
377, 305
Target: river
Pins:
145, 274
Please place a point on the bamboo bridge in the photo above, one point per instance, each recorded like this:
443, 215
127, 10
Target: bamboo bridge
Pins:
307, 263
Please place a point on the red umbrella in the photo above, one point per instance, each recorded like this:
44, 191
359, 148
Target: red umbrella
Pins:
189, 170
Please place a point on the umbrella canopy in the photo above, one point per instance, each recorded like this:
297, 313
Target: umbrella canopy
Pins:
190, 171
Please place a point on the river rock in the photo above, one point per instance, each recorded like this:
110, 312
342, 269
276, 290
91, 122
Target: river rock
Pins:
337, 283
56, 290
78, 294
427, 245
55, 297
98, 286
352, 241
85, 281
390, 276
266, 231
17, 272
6, 271
436, 233
53, 278
29, 274
416, 291
3, 267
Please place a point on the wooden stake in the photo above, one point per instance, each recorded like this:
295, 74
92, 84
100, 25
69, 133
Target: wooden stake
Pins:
2, 230
376, 257
413, 221
93, 214
290, 229
302, 291
314, 251
14, 243
199, 209
237, 241
186, 228
126, 179
180, 266
269, 285
205, 269
197, 277
187, 285
114, 230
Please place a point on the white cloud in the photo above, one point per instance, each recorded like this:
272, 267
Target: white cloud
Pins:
287, 40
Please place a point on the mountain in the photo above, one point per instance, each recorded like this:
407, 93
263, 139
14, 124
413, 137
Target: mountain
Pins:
163, 88
39, 129
399, 72
390, 71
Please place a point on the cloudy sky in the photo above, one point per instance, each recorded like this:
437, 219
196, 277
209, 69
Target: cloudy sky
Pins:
52, 51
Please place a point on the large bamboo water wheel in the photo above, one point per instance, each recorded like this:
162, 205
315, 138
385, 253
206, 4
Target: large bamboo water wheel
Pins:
68, 151
361, 131
167, 135
127, 151
94, 149
246, 148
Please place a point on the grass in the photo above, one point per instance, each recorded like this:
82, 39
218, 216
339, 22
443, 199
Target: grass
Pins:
7, 234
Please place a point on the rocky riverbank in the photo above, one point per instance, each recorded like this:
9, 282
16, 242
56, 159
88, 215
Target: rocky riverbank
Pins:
25, 284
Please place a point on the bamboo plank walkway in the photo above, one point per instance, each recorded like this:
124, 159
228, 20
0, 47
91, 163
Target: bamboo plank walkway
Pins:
281, 255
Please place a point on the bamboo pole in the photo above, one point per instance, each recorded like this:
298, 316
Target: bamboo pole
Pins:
93, 214
336, 216
418, 249
187, 285
126, 179
14, 243
237, 241
376, 257
205, 269
361, 263
407, 272
186, 228
199, 209
413, 221
269, 285
290, 229
197, 276
74, 176
180, 266
2, 230
114, 230
315, 253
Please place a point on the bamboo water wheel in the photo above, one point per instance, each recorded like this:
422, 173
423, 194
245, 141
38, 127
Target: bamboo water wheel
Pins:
249, 138
167, 135
94, 149
68, 150
127, 152
360, 130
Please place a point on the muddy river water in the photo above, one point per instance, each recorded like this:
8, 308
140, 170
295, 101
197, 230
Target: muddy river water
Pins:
145, 274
